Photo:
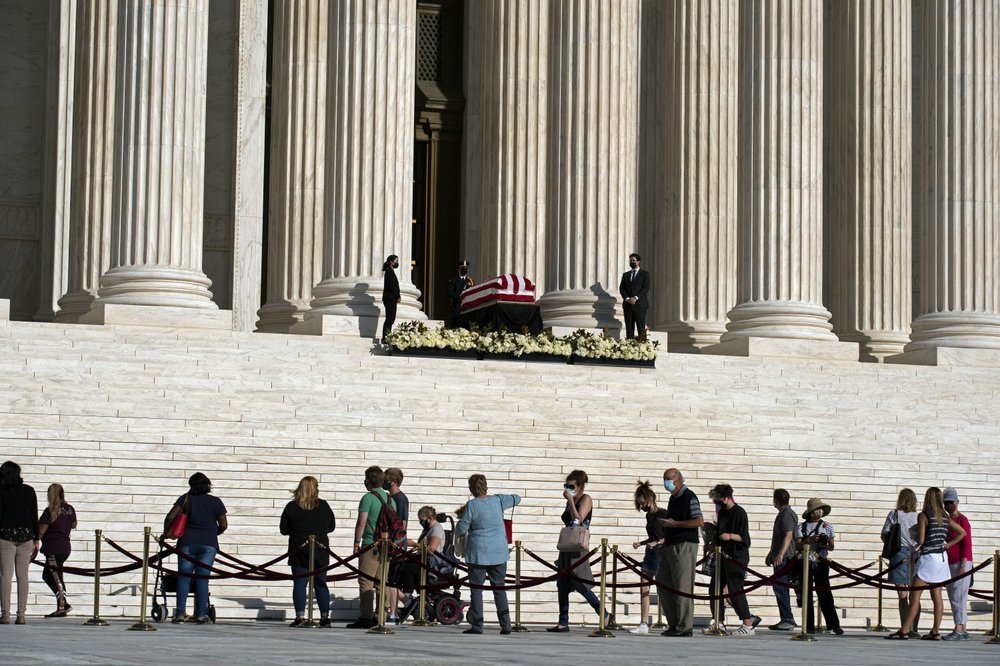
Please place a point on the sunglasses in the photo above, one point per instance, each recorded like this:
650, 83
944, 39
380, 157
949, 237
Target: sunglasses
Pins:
570, 486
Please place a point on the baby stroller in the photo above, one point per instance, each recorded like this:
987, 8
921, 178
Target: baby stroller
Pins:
166, 583
443, 605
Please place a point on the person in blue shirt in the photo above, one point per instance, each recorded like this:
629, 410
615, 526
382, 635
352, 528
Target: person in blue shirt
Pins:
486, 552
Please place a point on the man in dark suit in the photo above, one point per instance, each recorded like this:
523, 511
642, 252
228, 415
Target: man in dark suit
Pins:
456, 285
634, 289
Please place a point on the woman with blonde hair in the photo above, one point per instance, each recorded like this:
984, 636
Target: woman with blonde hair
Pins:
645, 501
306, 515
933, 524
905, 515
54, 526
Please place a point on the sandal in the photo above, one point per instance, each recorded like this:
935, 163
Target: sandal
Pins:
898, 636
933, 636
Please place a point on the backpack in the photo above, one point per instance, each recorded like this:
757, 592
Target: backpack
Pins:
388, 521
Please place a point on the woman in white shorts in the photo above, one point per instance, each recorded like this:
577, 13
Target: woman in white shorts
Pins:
932, 565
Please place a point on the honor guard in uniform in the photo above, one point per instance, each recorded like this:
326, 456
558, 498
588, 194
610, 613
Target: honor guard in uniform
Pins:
456, 285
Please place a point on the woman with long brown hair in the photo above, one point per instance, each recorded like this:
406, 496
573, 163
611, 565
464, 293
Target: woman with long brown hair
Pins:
54, 527
905, 515
933, 524
306, 515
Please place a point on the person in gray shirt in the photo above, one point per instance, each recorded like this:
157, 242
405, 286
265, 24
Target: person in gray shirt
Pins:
782, 549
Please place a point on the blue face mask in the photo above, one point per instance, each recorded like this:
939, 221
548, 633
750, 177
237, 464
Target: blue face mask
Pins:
669, 485
387, 485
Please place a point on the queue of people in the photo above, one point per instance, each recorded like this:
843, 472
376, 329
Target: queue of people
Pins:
934, 546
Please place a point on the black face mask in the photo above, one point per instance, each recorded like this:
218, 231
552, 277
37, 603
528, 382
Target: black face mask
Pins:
646, 508
387, 485
425, 524
632, 264
463, 272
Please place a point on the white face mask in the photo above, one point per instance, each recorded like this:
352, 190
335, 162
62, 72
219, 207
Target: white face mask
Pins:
571, 493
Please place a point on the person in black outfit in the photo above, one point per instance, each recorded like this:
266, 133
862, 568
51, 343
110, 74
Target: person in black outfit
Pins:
634, 289
456, 285
308, 514
390, 293
19, 539
733, 536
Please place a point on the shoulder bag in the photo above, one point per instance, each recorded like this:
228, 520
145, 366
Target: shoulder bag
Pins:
893, 539
574, 539
179, 524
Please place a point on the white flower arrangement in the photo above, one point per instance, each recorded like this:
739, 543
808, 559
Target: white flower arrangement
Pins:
415, 334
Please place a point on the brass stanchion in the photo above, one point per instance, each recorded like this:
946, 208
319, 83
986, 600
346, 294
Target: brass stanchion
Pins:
996, 600
602, 631
804, 635
517, 589
311, 623
659, 609
422, 620
613, 625
383, 569
878, 620
717, 630
142, 625
96, 620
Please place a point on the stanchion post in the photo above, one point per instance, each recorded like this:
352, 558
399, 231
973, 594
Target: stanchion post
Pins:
804, 635
96, 620
383, 573
422, 620
613, 625
717, 630
996, 600
517, 589
878, 620
659, 609
310, 622
602, 631
142, 625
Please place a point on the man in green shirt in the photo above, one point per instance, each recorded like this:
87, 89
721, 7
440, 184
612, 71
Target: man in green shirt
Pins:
364, 536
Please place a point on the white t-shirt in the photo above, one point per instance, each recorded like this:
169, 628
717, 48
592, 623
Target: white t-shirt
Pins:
436, 531
907, 526
811, 529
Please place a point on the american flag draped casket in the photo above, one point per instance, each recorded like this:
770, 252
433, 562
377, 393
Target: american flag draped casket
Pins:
507, 288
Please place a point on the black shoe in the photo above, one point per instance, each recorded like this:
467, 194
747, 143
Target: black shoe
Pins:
59, 612
505, 631
204, 619
473, 630
756, 620
838, 631
677, 633
361, 623
558, 629
297, 622
325, 622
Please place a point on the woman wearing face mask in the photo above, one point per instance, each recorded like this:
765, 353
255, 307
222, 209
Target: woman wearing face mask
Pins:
819, 535
431, 539
579, 511
390, 293
645, 501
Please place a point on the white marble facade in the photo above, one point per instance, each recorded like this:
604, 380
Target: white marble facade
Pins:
771, 161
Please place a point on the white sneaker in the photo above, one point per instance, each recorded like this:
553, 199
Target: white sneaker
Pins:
642, 629
710, 629
743, 630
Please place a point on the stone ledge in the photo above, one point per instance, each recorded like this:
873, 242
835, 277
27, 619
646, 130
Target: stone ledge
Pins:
115, 314
786, 348
4, 309
365, 326
953, 357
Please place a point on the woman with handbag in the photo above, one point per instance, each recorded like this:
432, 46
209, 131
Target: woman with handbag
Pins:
204, 518
18, 538
899, 535
574, 543
307, 515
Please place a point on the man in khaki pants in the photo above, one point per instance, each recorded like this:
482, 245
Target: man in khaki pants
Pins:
679, 554
364, 536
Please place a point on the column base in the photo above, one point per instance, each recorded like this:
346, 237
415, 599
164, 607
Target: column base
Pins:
693, 336
156, 286
875, 346
786, 348
969, 330
794, 320
74, 304
592, 308
4, 309
361, 297
116, 314
281, 316
954, 357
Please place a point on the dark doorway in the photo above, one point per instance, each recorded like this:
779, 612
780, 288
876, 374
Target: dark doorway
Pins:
437, 155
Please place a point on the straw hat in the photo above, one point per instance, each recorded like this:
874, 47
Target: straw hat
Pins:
813, 504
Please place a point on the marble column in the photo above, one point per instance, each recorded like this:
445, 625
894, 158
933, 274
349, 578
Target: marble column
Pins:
697, 285
867, 171
92, 160
509, 159
156, 242
298, 153
956, 174
369, 157
593, 118
780, 216
57, 154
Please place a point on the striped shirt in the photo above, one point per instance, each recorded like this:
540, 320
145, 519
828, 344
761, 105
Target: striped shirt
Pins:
935, 536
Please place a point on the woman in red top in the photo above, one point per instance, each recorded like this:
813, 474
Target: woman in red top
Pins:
54, 526
959, 561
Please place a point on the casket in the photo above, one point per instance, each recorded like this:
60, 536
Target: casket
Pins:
508, 288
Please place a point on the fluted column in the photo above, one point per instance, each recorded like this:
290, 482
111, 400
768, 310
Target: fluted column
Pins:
868, 186
509, 91
593, 116
159, 164
957, 173
780, 217
92, 159
298, 153
698, 250
369, 163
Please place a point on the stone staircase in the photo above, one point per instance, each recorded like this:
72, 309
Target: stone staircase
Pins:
122, 415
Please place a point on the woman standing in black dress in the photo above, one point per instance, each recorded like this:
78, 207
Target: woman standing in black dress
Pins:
390, 293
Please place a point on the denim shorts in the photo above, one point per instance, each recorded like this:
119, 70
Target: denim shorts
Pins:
901, 574
651, 561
